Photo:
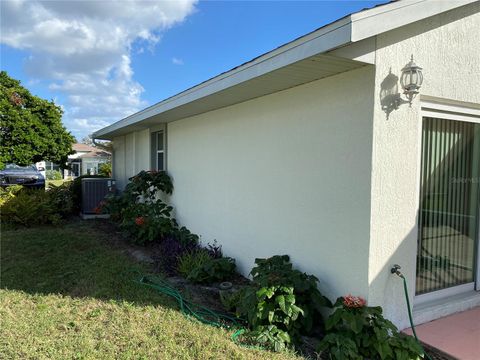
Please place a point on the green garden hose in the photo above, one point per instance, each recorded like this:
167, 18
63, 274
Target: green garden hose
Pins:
201, 313
189, 309
396, 270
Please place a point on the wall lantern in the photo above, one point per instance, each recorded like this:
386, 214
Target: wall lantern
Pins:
411, 80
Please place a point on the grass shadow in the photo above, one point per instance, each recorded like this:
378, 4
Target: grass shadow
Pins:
77, 260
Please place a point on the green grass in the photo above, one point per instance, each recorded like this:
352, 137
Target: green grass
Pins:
69, 293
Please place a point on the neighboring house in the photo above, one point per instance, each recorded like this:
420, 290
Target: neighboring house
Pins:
312, 150
85, 161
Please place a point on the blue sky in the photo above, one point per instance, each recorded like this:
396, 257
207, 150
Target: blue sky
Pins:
102, 61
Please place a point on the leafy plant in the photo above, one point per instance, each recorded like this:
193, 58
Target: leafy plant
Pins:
213, 270
357, 331
8, 193
29, 207
271, 336
189, 261
231, 300
61, 198
183, 235
147, 222
53, 175
105, 169
147, 184
279, 271
171, 250
215, 250
141, 212
281, 304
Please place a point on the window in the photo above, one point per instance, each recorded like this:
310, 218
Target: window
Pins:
449, 204
158, 150
51, 166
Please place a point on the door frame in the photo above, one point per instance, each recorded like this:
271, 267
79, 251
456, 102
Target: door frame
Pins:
457, 111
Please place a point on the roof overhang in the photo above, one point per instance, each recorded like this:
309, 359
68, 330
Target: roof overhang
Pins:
343, 45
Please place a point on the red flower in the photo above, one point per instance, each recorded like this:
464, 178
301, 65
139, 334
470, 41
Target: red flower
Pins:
140, 220
98, 209
351, 301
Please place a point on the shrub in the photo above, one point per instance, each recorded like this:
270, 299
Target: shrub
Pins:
147, 222
105, 169
189, 261
213, 270
62, 199
281, 304
171, 250
141, 214
215, 250
183, 235
8, 193
147, 184
357, 331
53, 175
29, 207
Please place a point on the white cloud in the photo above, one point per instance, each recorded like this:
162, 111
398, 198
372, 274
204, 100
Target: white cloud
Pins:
177, 61
83, 48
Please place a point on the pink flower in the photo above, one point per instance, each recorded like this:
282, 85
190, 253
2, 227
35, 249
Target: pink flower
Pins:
351, 301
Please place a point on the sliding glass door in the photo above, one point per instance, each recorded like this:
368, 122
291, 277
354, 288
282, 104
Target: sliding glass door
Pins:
449, 205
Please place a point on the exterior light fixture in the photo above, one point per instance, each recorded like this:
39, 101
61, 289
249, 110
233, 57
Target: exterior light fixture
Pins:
411, 80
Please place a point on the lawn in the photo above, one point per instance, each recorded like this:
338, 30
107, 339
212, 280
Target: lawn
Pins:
69, 293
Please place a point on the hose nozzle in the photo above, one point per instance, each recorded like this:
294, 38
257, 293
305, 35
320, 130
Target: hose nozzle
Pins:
396, 270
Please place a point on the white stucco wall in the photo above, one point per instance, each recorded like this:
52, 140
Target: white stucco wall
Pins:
118, 161
318, 171
447, 47
131, 154
287, 173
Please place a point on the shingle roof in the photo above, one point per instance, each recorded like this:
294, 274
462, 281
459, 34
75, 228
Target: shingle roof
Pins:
83, 147
96, 154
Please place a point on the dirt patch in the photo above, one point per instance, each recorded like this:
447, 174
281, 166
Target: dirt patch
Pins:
204, 295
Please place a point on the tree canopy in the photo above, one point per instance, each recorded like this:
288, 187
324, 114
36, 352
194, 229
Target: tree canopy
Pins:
31, 128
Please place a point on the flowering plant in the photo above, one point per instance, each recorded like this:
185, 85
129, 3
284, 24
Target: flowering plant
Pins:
140, 220
357, 331
99, 209
351, 301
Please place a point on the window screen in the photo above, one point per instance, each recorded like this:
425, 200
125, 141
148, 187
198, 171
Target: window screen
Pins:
158, 150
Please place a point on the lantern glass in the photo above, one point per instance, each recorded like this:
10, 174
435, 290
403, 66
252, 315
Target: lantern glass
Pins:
411, 78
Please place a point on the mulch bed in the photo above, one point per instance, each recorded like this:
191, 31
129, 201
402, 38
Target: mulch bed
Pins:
437, 354
208, 296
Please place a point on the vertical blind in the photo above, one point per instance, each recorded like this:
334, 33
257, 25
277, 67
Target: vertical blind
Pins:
449, 202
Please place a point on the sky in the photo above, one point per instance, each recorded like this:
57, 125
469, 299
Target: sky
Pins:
102, 60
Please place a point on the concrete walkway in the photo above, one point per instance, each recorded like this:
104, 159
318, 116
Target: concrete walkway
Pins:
457, 335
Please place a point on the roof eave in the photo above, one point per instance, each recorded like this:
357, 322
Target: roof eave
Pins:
350, 29
320, 41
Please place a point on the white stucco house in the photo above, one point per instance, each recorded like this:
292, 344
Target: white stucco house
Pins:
85, 161
313, 150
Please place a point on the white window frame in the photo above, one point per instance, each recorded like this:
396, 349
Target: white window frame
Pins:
451, 110
156, 132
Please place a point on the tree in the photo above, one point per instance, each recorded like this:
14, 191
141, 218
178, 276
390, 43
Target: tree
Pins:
31, 128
